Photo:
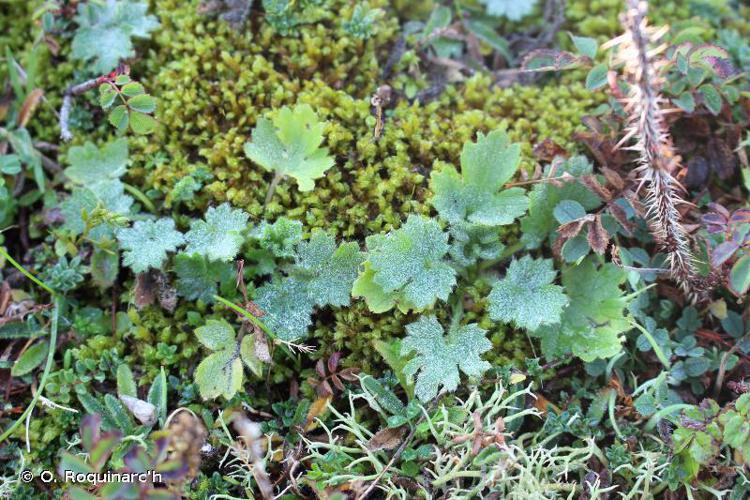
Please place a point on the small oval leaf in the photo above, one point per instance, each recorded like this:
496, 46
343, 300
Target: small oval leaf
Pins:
739, 277
30, 359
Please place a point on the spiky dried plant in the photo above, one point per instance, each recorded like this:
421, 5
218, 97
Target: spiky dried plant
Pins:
658, 162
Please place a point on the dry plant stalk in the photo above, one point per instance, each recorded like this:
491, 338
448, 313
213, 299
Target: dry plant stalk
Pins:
658, 161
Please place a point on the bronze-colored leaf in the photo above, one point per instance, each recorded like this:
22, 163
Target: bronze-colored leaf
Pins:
316, 409
348, 374
557, 247
320, 367
572, 228
620, 216
386, 439
337, 382
547, 150
591, 182
740, 216
598, 237
29, 106
324, 389
333, 361
145, 290
613, 178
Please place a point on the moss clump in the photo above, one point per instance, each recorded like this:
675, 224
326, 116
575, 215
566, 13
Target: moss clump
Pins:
601, 18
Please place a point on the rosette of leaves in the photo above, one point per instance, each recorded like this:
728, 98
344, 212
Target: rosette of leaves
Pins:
321, 275
406, 268
136, 106
221, 373
106, 29
474, 202
101, 449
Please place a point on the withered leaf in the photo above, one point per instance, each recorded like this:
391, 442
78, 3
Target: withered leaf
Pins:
316, 409
349, 374
547, 150
602, 148
145, 290
591, 182
167, 297
572, 228
598, 237
386, 439
29, 106
613, 178
261, 346
620, 216
151, 286
721, 159
333, 361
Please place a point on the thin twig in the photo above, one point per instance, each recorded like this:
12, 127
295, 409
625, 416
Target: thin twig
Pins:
723, 365
70, 92
390, 463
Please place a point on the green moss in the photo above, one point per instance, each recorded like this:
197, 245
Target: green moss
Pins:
601, 18
213, 84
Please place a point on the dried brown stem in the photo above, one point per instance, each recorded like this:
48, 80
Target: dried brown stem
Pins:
658, 161
67, 104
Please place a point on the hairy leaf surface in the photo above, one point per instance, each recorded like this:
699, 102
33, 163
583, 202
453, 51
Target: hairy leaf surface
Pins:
438, 358
526, 296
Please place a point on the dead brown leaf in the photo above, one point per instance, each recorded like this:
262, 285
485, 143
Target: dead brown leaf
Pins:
386, 439
598, 237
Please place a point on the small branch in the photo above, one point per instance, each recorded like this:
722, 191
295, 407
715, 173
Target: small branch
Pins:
390, 463
723, 365
70, 92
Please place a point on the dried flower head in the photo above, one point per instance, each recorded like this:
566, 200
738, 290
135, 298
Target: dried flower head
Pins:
187, 436
658, 162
